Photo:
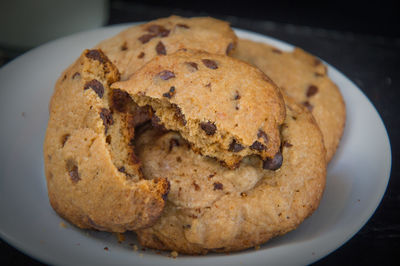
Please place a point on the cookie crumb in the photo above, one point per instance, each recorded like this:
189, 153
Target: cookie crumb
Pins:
141, 255
63, 225
257, 247
120, 237
174, 254
135, 248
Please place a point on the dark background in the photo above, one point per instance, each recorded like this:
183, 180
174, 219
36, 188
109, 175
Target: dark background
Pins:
361, 39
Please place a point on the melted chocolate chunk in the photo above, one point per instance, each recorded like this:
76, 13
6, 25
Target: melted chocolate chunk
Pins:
75, 75
158, 30
72, 169
146, 38
95, 85
235, 146
196, 186
237, 96
140, 116
229, 48
95, 55
258, 146
183, 26
173, 142
263, 135
312, 90
308, 105
107, 118
166, 75
120, 100
160, 49
277, 51
170, 93
218, 186
210, 63
141, 55
287, 144
274, 163
192, 66
208, 127
178, 114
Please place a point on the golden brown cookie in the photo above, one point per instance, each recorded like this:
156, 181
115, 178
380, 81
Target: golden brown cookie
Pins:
303, 77
213, 208
224, 107
93, 176
130, 49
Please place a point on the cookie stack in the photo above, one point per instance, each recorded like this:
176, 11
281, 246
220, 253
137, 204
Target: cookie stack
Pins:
195, 140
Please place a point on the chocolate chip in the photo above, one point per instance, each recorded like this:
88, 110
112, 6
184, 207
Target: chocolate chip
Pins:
178, 114
95, 85
95, 55
308, 105
160, 49
107, 118
192, 66
211, 176
208, 127
229, 48
146, 38
170, 93
122, 169
72, 169
196, 186
277, 51
64, 139
235, 146
287, 144
274, 163
183, 26
178, 159
120, 100
243, 194
218, 186
141, 55
124, 46
173, 142
156, 123
312, 90
64, 78
166, 75
158, 30
237, 96
210, 63
263, 135
76, 74
258, 146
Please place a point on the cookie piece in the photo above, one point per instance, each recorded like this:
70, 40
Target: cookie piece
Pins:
213, 208
93, 176
224, 107
303, 77
133, 47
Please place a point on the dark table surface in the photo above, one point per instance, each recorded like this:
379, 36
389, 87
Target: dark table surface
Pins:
370, 60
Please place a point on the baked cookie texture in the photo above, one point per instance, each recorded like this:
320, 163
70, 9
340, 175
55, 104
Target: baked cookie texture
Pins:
223, 107
93, 176
213, 208
130, 49
303, 77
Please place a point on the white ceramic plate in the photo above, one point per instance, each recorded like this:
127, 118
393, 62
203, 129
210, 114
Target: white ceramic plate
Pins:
356, 181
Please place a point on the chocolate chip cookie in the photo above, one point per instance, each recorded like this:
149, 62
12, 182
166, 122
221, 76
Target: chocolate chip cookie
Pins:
130, 49
223, 107
211, 208
93, 176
